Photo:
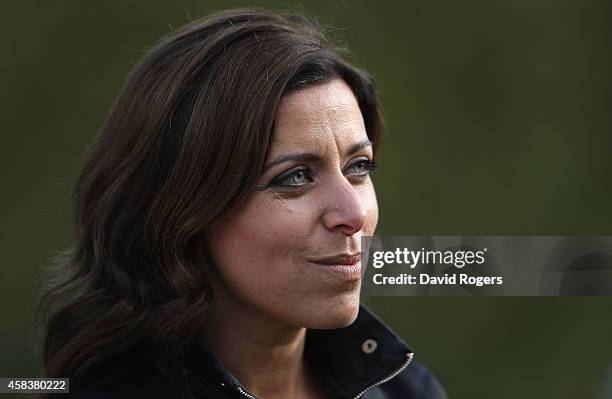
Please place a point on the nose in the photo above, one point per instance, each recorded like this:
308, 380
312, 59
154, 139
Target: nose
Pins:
344, 208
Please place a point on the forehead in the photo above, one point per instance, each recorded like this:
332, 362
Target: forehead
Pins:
319, 118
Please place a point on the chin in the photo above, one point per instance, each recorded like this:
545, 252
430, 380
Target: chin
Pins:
338, 315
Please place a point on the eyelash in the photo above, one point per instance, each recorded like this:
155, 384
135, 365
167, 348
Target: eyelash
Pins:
369, 165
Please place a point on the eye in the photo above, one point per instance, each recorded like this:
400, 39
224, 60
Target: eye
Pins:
361, 167
293, 178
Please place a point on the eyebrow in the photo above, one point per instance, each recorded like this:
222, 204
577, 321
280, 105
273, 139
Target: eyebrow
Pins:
312, 157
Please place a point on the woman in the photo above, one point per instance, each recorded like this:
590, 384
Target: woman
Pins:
219, 217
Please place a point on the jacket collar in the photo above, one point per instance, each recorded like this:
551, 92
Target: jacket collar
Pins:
349, 359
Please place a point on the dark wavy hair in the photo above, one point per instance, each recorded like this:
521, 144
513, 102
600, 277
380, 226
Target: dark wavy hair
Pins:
181, 150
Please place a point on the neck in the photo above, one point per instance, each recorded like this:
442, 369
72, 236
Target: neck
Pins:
266, 356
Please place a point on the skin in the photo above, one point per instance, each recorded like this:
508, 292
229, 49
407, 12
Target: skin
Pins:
266, 289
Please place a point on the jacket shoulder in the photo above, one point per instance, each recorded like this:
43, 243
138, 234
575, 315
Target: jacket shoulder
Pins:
414, 382
90, 394
151, 386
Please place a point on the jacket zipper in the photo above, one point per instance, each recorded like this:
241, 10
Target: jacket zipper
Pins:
244, 393
410, 356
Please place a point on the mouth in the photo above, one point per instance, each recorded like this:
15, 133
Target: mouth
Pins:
342, 259
345, 266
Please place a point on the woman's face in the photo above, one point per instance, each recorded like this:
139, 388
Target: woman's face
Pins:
291, 253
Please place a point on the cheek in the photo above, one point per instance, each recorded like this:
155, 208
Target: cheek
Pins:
258, 243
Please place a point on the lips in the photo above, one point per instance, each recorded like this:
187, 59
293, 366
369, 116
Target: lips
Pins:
343, 259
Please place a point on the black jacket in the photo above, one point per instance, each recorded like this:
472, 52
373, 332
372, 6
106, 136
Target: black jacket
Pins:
364, 360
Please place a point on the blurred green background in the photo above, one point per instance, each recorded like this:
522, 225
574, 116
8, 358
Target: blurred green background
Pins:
498, 122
